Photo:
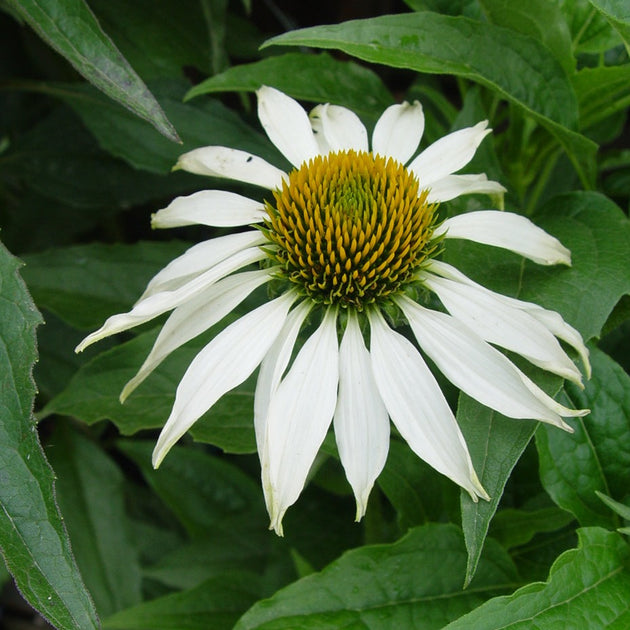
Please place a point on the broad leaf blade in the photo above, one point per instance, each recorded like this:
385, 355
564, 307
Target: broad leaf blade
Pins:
587, 588
90, 493
216, 604
318, 78
33, 539
415, 582
597, 456
618, 14
495, 444
69, 26
514, 66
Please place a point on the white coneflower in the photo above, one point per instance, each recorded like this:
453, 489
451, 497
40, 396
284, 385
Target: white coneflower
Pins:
349, 232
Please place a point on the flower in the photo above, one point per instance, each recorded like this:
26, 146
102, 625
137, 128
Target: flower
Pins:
348, 234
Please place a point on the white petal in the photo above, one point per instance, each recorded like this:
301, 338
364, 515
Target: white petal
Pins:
231, 164
158, 303
273, 366
287, 125
417, 406
317, 126
217, 208
474, 366
222, 365
361, 422
453, 186
193, 317
550, 319
342, 128
300, 413
200, 258
398, 131
448, 154
509, 231
503, 324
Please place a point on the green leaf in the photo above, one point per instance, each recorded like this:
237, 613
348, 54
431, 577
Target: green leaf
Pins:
514, 66
205, 122
587, 588
590, 31
203, 491
33, 539
158, 38
90, 495
69, 26
598, 234
415, 582
513, 528
539, 19
416, 491
597, 456
619, 508
93, 395
85, 284
602, 92
618, 15
495, 444
318, 78
216, 604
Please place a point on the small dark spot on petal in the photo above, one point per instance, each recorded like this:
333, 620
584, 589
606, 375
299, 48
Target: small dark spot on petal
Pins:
249, 159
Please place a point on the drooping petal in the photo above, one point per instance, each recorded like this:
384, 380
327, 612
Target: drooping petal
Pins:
273, 366
287, 125
550, 319
448, 154
200, 258
453, 186
509, 231
417, 406
196, 315
503, 324
341, 128
361, 422
231, 164
398, 131
218, 208
222, 365
158, 303
299, 415
474, 366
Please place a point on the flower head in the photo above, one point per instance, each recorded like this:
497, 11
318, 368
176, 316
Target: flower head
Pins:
350, 233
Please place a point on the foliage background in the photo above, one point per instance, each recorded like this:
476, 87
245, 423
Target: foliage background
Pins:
96, 103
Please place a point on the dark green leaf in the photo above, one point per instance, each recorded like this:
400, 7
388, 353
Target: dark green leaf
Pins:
205, 122
93, 395
90, 495
216, 604
159, 38
539, 19
513, 528
597, 456
619, 508
590, 31
69, 26
515, 66
598, 234
495, 444
415, 582
602, 92
318, 78
85, 284
33, 539
587, 588
617, 13
416, 491
203, 491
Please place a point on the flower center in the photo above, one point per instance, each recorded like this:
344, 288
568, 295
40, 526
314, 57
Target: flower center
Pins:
350, 228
